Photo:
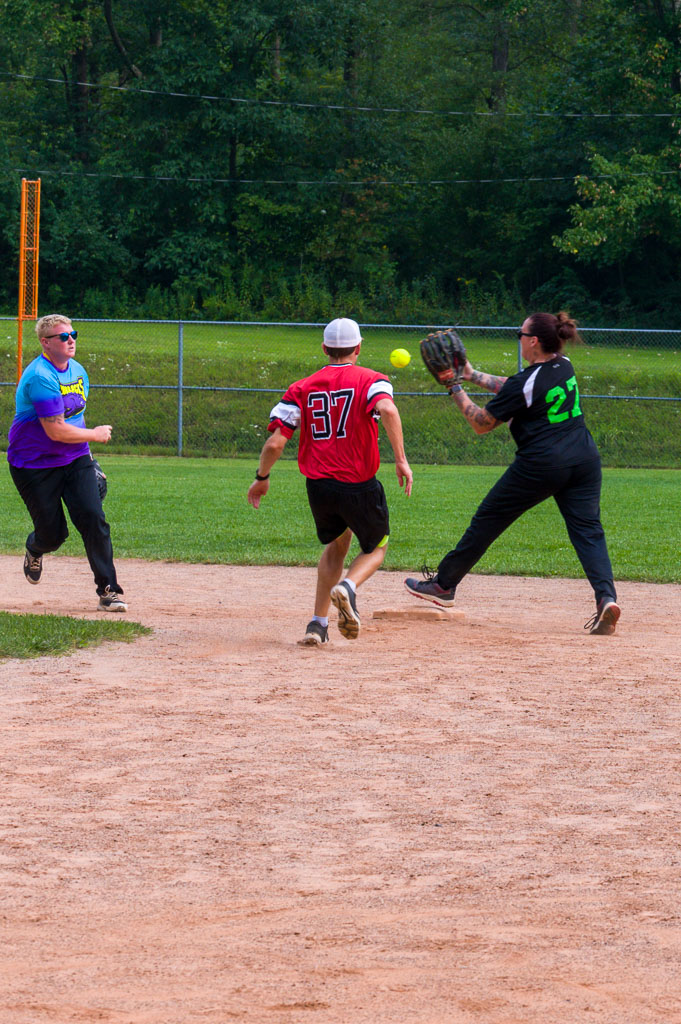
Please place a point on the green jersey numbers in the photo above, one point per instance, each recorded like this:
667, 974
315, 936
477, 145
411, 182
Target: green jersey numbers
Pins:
563, 402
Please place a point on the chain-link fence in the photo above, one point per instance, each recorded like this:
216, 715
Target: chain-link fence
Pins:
206, 389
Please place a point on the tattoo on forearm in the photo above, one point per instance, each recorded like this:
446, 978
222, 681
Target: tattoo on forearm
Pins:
473, 412
59, 418
488, 381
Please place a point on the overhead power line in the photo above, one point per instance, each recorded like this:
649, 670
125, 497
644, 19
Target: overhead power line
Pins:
368, 183
340, 106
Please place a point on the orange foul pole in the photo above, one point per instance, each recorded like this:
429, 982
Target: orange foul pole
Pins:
28, 260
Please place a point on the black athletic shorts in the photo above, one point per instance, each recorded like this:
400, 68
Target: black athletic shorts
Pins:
337, 506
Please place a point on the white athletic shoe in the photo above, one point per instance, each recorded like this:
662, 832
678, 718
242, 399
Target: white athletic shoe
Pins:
110, 601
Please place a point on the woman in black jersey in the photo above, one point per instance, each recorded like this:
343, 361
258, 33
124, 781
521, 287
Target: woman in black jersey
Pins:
556, 458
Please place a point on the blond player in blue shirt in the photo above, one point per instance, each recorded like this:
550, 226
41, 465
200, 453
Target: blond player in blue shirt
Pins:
50, 461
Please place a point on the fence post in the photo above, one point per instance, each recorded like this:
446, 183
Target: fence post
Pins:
180, 358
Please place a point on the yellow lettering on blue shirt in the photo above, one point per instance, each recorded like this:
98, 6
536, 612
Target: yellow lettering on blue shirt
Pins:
76, 387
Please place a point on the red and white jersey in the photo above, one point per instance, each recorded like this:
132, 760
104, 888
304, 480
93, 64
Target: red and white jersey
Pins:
334, 409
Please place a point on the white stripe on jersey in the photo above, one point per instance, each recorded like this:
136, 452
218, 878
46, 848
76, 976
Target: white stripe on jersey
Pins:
383, 387
528, 386
288, 413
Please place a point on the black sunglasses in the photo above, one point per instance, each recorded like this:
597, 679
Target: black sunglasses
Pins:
524, 334
65, 335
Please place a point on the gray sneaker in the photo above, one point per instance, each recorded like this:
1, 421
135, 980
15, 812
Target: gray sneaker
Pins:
110, 601
33, 567
343, 597
430, 590
315, 635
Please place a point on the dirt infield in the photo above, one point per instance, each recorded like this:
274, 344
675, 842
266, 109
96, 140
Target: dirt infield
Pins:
448, 821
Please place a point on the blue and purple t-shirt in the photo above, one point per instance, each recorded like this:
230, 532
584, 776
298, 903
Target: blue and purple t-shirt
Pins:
43, 391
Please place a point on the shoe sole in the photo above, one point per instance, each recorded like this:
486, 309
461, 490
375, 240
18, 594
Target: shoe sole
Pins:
112, 608
348, 619
607, 622
433, 598
312, 640
34, 582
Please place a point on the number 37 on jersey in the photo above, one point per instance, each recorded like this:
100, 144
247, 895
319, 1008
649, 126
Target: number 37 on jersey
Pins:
320, 405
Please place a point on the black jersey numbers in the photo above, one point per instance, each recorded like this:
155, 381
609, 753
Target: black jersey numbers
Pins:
320, 403
563, 402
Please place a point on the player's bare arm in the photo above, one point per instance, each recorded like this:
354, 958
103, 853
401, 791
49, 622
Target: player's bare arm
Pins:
480, 420
390, 418
487, 381
57, 429
271, 452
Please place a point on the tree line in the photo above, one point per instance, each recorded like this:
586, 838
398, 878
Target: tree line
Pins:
407, 160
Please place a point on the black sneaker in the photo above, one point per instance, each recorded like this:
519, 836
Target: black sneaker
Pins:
33, 567
604, 621
430, 590
315, 635
345, 601
110, 601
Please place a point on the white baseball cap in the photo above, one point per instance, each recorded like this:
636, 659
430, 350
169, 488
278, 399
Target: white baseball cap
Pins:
342, 333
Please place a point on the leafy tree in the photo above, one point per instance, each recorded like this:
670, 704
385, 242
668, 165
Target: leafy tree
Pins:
205, 155
627, 223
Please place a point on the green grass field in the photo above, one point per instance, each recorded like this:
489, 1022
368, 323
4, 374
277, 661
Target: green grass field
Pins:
642, 431
270, 356
195, 510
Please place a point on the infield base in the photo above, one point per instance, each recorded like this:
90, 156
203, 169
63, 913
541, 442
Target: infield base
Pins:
427, 614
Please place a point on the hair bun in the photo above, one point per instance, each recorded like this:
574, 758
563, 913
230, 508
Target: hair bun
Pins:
566, 327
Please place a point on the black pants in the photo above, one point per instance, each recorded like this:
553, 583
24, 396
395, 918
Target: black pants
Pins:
577, 493
43, 491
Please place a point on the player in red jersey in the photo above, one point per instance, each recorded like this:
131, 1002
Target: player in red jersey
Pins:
337, 410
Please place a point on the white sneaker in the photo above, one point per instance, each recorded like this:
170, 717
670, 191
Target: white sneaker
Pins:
110, 601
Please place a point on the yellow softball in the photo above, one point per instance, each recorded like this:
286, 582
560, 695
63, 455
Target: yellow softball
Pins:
399, 357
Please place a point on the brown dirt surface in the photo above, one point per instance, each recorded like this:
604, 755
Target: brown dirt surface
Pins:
448, 820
